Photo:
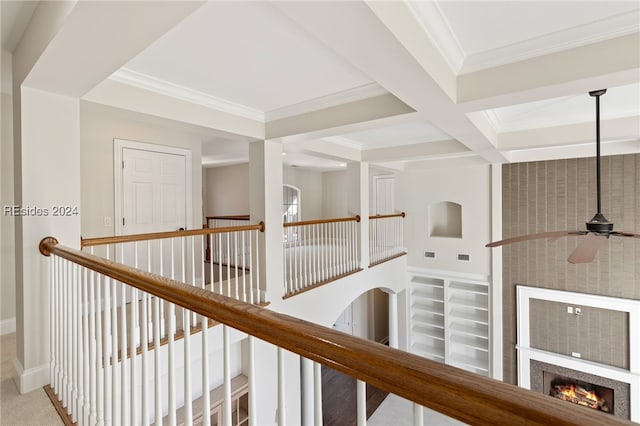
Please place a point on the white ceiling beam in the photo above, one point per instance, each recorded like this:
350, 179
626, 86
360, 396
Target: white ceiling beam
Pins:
97, 38
608, 63
414, 151
324, 149
131, 98
618, 129
371, 109
353, 30
398, 17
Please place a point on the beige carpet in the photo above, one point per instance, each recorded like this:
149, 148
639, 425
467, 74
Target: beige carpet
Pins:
33, 408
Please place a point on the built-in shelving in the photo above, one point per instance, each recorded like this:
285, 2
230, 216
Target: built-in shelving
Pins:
449, 321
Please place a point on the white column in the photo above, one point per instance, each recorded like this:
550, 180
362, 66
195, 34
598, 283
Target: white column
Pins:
306, 391
317, 384
393, 320
359, 204
265, 193
47, 175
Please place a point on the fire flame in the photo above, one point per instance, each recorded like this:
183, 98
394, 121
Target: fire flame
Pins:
570, 392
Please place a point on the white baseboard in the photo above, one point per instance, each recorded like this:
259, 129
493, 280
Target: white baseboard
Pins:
31, 379
7, 326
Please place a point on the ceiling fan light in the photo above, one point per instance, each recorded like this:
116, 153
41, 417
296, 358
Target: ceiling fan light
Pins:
599, 223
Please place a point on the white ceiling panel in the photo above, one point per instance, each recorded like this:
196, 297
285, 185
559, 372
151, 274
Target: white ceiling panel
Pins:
248, 53
623, 101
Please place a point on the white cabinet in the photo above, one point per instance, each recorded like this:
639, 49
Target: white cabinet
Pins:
449, 321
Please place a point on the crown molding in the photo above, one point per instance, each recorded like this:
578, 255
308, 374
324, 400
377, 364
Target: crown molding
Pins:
436, 27
494, 120
350, 95
163, 87
593, 32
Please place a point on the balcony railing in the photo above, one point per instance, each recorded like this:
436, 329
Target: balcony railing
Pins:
385, 238
101, 379
319, 251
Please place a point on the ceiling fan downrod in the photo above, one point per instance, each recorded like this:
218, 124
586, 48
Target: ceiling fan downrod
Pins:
598, 223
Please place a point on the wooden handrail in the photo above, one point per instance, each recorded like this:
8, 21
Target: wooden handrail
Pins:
319, 221
385, 216
87, 242
231, 217
468, 397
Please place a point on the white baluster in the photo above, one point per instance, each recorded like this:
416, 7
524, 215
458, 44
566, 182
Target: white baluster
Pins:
85, 347
53, 284
226, 366
206, 405
252, 381
75, 337
244, 269
235, 263
281, 389
417, 415
186, 324
100, 363
317, 400
251, 266
306, 391
92, 350
172, 366
157, 374
361, 395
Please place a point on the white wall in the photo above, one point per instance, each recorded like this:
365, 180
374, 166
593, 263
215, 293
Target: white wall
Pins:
468, 186
98, 127
7, 234
227, 190
335, 197
310, 184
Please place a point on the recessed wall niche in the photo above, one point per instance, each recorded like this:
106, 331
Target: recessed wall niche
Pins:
445, 219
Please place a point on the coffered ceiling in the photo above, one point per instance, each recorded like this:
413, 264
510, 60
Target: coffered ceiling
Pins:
406, 82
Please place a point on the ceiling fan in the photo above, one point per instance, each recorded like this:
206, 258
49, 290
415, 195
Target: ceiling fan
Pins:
599, 229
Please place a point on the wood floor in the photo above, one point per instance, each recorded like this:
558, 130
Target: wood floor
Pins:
339, 406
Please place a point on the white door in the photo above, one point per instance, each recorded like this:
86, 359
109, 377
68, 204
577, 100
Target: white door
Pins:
384, 195
344, 322
154, 199
153, 191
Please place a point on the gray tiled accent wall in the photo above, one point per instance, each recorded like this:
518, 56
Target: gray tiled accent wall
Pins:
561, 195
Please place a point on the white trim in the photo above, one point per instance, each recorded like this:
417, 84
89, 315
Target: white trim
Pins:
166, 88
526, 353
119, 145
448, 275
7, 326
438, 30
31, 379
366, 91
495, 301
632, 307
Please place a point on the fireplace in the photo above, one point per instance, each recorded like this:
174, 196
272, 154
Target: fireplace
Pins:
578, 392
591, 391
584, 360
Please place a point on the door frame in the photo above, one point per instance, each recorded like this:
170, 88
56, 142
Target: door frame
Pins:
118, 146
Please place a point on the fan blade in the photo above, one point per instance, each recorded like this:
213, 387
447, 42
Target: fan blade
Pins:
549, 235
625, 234
587, 249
